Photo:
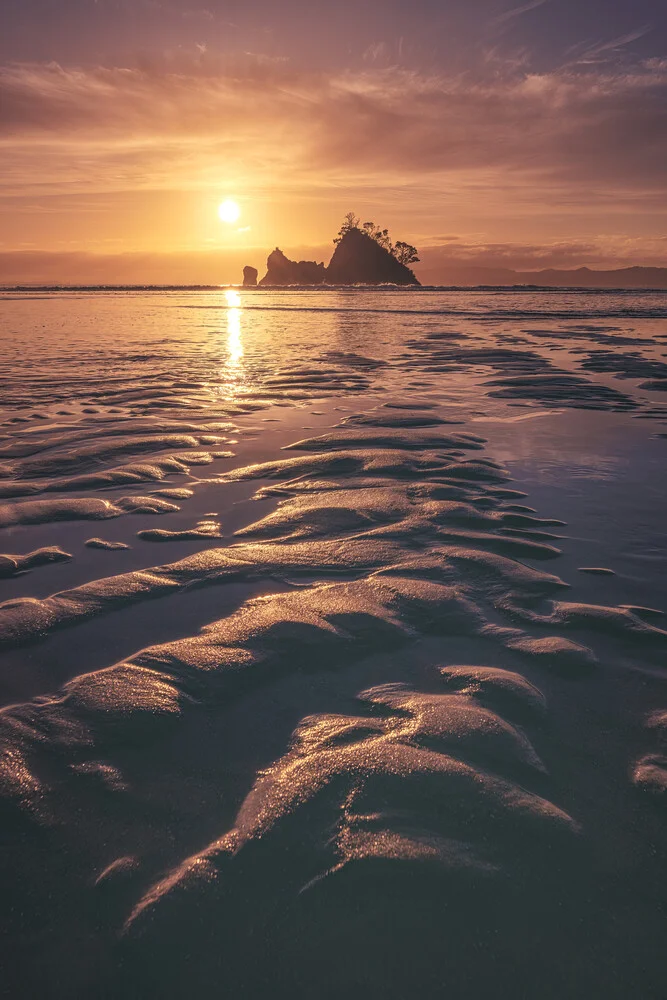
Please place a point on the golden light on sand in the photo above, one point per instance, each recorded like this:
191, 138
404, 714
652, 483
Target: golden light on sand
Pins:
234, 343
229, 211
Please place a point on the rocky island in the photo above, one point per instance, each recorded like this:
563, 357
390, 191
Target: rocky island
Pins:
283, 271
364, 255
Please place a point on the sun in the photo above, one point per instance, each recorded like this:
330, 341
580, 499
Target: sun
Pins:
229, 211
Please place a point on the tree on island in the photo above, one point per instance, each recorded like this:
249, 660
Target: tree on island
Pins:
380, 236
404, 253
351, 221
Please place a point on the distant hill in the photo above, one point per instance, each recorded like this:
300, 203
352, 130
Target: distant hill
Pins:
581, 277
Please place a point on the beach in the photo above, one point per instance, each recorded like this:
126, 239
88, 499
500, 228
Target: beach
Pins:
334, 637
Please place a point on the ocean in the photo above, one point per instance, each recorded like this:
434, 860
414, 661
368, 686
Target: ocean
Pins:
334, 639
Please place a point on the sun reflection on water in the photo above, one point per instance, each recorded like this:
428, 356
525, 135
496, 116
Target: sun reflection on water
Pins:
233, 370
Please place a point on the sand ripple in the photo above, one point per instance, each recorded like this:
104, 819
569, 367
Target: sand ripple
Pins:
394, 761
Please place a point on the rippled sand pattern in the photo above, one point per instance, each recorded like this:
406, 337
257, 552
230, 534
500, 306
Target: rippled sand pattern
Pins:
370, 720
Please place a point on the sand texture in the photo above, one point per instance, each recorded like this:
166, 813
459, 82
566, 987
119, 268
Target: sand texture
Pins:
359, 688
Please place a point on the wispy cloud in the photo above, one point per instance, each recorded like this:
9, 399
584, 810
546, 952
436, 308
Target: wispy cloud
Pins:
135, 127
508, 15
590, 54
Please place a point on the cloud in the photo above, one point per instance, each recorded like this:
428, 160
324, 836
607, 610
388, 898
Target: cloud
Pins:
201, 14
578, 139
508, 15
72, 268
602, 252
523, 256
601, 51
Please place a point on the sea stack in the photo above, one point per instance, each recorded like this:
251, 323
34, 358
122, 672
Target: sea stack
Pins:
280, 270
249, 276
360, 260
363, 256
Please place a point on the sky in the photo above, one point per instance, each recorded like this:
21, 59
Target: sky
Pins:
485, 133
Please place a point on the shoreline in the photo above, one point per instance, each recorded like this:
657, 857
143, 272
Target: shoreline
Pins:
592, 289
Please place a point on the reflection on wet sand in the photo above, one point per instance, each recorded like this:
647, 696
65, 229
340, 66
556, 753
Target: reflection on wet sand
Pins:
232, 374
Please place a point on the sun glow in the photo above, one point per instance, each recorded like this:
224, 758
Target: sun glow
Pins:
229, 211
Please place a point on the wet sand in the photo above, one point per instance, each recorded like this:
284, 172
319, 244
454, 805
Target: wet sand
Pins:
334, 639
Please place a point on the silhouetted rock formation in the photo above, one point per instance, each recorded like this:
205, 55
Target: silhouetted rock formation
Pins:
249, 275
359, 259
283, 271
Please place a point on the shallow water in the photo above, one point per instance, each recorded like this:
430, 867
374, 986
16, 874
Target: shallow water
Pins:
369, 695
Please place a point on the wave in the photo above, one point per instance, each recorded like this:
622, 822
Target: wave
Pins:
387, 287
498, 303
629, 313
